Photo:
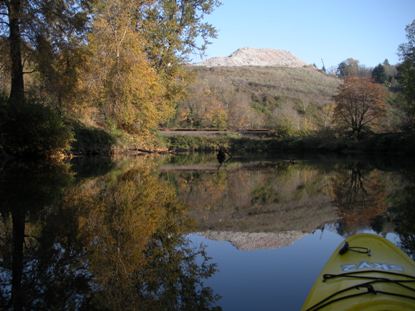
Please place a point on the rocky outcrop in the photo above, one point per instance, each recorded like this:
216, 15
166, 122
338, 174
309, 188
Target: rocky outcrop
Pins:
255, 57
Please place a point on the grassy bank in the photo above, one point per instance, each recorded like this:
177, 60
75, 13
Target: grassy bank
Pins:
391, 143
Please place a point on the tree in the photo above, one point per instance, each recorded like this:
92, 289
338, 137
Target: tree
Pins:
406, 76
37, 33
348, 68
118, 77
44, 40
359, 104
378, 74
385, 73
135, 72
173, 30
390, 70
351, 68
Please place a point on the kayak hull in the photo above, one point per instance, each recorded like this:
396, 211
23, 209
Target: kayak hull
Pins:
370, 274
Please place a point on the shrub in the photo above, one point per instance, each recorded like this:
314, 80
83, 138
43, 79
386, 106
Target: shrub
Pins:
92, 141
32, 130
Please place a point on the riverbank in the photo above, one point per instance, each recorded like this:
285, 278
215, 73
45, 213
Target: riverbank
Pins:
390, 143
89, 142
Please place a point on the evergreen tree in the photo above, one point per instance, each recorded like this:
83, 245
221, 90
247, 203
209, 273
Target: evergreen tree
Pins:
378, 74
406, 75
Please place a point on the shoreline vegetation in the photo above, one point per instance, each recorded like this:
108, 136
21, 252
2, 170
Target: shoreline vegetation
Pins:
82, 89
267, 142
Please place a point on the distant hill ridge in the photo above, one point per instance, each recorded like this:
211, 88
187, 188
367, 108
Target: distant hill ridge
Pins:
255, 57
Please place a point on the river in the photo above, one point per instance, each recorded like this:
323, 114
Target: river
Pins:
185, 233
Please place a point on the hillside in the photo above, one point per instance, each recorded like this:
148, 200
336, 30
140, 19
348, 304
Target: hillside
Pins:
238, 97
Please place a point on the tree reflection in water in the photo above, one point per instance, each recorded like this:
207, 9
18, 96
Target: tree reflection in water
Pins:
370, 198
402, 211
111, 242
354, 194
359, 192
118, 240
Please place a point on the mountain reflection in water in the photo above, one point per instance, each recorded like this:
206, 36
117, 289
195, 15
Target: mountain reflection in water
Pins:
116, 235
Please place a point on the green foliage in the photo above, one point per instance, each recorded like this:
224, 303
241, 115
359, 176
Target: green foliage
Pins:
378, 74
31, 129
284, 128
406, 77
175, 29
92, 141
196, 143
385, 74
266, 104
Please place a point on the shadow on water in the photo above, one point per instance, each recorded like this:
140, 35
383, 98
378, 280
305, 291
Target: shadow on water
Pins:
112, 241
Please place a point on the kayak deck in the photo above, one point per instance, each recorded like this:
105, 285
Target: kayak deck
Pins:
366, 272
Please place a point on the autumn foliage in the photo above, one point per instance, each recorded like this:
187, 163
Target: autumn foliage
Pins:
360, 104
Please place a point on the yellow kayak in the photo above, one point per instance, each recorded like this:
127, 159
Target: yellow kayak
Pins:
366, 272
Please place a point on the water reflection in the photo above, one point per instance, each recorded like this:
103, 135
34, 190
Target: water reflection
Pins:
361, 195
109, 242
402, 211
105, 235
265, 204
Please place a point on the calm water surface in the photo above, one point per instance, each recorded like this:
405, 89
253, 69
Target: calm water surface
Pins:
182, 233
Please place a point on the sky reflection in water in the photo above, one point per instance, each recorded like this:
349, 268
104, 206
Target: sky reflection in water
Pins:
128, 234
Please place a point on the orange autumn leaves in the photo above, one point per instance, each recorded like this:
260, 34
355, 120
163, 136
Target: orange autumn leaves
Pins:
360, 105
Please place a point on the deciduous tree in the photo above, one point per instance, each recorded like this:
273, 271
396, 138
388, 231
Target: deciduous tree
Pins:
118, 78
173, 30
348, 68
359, 104
39, 32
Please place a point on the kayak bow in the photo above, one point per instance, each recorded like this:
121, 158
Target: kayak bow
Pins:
366, 272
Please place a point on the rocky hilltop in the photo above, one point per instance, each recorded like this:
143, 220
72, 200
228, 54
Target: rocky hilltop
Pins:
255, 57
248, 241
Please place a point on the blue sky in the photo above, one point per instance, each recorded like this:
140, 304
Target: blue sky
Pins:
368, 30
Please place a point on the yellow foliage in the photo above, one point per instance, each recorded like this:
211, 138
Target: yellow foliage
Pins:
118, 77
120, 214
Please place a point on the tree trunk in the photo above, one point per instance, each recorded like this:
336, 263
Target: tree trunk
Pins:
15, 41
17, 265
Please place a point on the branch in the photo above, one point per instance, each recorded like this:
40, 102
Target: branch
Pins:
29, 72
